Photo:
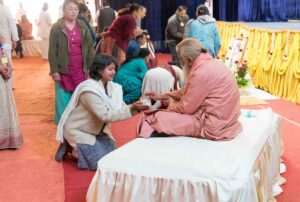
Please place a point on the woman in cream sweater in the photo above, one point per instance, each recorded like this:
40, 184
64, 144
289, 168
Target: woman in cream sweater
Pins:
85, 125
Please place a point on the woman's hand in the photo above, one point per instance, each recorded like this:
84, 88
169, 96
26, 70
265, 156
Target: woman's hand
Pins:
139, 106
6, 73
55, 77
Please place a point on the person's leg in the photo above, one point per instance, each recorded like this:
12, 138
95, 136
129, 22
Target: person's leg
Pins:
62, 99
170, 123
172, 48
107, 46
132, 91
89, 155
45, 47
133, 95
121, 56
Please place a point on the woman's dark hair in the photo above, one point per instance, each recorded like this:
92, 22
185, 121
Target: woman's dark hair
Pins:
83, 8
100, 62
66, 2
138, 37
134, 7
202, 10
144, 52
130, 8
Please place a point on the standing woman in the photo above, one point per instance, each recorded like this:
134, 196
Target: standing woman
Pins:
204, 29
119, 34
10, 133
70, 55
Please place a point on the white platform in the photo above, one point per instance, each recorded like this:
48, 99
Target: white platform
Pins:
257, 93
32, 47
187, 169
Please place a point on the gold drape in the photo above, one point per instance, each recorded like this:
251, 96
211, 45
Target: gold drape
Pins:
273, 57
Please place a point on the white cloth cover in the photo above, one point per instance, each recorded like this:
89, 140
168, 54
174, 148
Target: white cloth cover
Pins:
32, 47
114, 101
160, 80
188, 169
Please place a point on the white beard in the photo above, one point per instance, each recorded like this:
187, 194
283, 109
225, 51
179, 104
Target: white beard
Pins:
186, 72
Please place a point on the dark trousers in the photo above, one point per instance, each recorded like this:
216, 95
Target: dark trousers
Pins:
19, 48
172, 48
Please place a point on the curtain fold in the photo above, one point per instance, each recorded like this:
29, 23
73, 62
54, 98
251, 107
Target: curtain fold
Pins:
268, 10
293, 9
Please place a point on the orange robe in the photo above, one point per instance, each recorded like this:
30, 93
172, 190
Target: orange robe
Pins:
208, 106
26, 30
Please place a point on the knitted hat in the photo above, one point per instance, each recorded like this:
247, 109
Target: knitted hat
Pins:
132, 50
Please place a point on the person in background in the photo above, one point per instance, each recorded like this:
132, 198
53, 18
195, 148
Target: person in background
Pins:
70, 55
204, 29
44, 26
145, 42
105, 18
84, 129
19, 48
10, 132
122, 30
175, 30
207, 107
131, 74
20, 12
26, 28
83, 15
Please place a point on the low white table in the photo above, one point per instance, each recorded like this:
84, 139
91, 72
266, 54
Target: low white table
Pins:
32, 47
186, 169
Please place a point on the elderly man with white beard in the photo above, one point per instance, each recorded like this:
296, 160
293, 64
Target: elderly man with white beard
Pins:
207, 107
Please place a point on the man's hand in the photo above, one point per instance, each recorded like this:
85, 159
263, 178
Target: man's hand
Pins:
156, 96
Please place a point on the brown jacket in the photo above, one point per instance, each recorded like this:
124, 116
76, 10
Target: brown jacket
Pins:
59, 47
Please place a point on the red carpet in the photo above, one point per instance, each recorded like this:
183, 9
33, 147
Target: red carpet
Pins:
31, 174
77, 181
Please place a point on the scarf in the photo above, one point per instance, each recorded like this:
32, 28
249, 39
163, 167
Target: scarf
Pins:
114, 100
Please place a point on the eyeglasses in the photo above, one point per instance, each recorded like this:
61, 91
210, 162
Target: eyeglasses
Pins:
72, 9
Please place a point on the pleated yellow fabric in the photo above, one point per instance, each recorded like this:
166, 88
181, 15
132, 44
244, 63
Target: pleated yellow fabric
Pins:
273, 57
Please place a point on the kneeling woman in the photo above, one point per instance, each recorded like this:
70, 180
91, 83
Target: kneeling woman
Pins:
84, 126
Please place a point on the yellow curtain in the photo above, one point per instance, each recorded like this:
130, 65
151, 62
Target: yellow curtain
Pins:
273, 57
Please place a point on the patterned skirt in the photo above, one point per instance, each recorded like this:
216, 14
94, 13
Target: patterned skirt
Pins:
110, 46
10, 133
88, 155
